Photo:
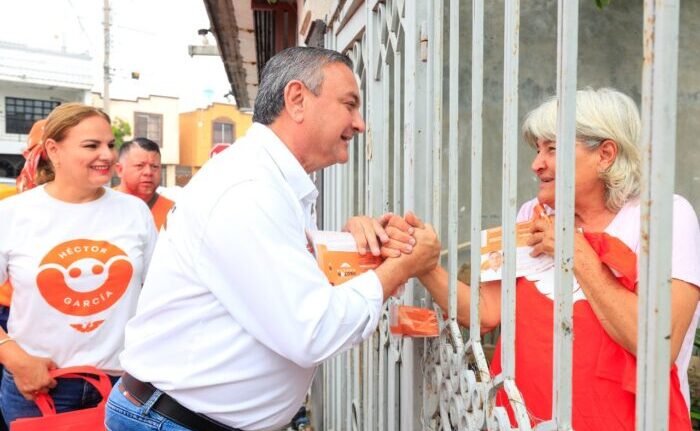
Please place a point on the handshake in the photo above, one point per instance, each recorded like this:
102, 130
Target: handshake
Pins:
410, 247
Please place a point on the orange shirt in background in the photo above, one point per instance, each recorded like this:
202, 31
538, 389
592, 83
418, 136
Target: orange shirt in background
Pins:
160, 209
159, 206
6, 289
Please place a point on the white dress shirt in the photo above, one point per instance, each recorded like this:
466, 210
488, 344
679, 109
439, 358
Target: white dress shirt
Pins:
235, 313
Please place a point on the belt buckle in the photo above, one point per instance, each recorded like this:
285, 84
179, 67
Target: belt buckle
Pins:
128, 395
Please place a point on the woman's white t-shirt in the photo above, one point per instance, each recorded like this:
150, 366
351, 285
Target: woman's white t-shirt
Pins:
76, 272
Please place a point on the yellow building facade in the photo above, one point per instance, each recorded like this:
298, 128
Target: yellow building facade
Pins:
200, 130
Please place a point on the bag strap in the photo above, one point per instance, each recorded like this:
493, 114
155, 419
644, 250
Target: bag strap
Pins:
102, 383
45, 404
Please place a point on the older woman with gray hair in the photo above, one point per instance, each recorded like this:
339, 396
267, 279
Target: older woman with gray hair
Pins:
606, 245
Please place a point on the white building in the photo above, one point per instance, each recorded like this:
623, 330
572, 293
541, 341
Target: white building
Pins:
32, 82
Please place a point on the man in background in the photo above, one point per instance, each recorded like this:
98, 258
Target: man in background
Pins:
139, 170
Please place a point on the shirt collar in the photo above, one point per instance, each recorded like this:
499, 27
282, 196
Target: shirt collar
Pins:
289, 166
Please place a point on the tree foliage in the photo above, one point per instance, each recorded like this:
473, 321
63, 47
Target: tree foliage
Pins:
120, 129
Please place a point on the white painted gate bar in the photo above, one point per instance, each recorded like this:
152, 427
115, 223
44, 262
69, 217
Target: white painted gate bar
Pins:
453, 168
567, 56
659, 86
476, 162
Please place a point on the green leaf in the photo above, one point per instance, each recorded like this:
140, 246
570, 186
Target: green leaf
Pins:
602, 3
120, 129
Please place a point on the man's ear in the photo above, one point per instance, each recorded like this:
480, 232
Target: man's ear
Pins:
608, 153
294, 94
119, 169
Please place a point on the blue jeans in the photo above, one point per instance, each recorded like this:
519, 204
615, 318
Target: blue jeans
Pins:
123, 415
4, 315
68, 395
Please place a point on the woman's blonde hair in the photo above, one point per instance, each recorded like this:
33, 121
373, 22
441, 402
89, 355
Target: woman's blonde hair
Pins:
63, 118
600, 115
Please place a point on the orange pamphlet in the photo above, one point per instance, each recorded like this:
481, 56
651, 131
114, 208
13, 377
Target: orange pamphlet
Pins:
408, 321
492, 254
337, 256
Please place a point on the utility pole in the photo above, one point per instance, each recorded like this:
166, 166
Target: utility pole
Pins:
105, 88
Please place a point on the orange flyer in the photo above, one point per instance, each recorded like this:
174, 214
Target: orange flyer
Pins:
337, 256
492, 254
408, 321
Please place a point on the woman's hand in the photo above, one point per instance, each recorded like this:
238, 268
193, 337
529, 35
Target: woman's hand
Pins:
30, 373
542, 238
422, 259
366, 230
426, 253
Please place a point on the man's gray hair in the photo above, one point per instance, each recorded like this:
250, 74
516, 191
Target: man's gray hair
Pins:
600, 114
300, 63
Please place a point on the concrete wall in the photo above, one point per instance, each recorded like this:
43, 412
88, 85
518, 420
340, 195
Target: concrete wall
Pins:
196, 131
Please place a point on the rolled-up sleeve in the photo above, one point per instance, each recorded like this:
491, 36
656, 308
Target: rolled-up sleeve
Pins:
254, 259
686, 242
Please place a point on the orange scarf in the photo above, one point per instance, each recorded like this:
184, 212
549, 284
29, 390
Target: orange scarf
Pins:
34, 152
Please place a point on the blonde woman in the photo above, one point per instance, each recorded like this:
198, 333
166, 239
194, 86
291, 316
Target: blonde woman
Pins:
76, 254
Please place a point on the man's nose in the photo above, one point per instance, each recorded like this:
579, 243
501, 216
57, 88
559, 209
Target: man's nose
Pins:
358, 123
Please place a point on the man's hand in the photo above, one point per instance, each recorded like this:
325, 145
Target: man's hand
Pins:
31, 373
373, 234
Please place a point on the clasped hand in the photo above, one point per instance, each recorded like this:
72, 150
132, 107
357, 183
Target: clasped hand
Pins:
394, 237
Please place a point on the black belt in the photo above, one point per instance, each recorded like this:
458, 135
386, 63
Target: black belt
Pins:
168, 407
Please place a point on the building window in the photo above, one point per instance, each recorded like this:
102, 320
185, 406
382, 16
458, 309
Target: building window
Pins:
223, 132
10, 165
149, 126
22, 113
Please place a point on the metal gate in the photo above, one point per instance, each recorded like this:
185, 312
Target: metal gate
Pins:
406, 55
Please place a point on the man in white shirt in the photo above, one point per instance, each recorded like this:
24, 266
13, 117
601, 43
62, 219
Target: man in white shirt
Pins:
235, 314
